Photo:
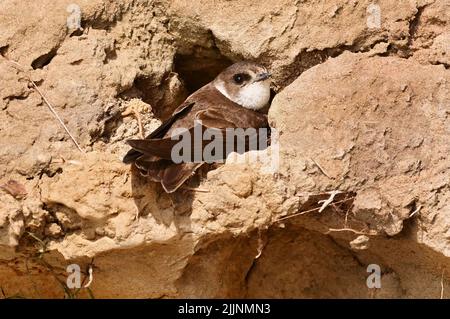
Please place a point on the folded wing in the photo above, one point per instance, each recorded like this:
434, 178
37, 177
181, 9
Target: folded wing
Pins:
153, 155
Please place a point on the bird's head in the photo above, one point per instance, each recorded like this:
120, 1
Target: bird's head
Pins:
246, 84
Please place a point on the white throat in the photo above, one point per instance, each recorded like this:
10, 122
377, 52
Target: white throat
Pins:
253, 96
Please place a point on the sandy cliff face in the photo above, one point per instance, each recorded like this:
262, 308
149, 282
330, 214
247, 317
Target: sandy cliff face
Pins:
361, 108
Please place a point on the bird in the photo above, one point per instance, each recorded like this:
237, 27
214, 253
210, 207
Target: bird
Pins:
235, 99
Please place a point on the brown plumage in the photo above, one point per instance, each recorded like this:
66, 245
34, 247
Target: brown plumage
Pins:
213, 105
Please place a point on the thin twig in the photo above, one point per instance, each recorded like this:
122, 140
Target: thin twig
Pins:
333, 230
311, 210
90, 277
192, 189
328, 201
57, 116
83, 286
442, 284
321, 169
48, 105
415, 211
40, 241
346, 218
261, 244
138, 118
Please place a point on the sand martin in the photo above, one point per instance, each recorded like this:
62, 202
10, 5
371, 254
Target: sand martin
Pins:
233, 100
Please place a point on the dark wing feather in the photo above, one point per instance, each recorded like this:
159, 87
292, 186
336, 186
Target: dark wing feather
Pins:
213, 119
133, 154
170, 175
152, 167
176, 174
157, 147
234, 118
164, 127
162, 147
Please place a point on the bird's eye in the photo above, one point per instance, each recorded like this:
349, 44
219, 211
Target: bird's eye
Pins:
239, 78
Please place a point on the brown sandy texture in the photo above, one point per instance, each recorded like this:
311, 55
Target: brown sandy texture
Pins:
363, 115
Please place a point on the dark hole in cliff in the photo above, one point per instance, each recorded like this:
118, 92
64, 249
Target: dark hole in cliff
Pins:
44, 59
192, 71
4, 50
272, 96
410, 223
76, 33
199, 68
111, 55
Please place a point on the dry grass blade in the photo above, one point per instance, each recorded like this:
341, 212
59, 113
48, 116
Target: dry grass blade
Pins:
51, 108
91, 295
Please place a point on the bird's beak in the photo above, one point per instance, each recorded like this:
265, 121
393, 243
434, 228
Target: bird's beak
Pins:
262, 76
